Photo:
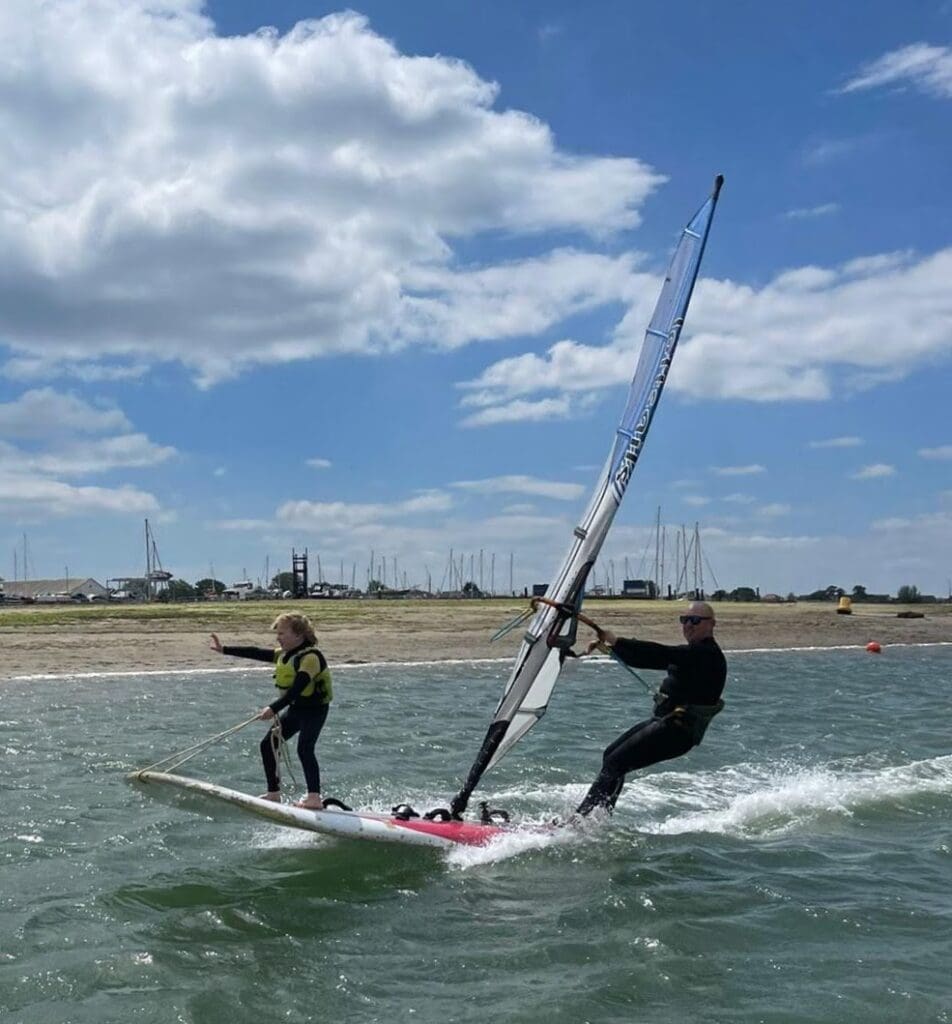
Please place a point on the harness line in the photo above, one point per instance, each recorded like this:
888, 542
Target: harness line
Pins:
196, 748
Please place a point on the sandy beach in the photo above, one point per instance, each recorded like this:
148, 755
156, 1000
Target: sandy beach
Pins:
54, 640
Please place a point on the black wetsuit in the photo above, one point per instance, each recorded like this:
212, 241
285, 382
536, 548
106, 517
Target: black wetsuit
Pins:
305, 715
696, 676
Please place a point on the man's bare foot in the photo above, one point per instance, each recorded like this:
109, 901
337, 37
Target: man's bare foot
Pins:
274, 797
311, 803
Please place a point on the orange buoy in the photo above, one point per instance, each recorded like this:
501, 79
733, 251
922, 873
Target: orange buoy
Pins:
874, 648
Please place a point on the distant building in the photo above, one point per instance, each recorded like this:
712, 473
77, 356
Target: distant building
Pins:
239, 590
37, 590
639, 588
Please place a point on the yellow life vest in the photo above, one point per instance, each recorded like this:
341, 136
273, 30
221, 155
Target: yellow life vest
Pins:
286, 669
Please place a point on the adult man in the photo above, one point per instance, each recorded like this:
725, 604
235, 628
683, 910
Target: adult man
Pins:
687, 700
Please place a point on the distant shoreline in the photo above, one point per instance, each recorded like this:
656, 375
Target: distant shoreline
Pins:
52, 641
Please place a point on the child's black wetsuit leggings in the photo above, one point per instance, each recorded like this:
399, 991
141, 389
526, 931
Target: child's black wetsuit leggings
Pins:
308, 724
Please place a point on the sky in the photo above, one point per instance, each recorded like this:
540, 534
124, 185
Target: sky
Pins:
372, 281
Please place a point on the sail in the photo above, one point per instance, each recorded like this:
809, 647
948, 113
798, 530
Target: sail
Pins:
552, 630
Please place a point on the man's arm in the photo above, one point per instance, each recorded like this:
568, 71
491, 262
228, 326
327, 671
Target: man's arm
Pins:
647, 654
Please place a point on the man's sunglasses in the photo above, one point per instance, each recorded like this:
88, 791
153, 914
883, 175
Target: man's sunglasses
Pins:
695, 620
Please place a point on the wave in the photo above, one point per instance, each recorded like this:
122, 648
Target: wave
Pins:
746, 800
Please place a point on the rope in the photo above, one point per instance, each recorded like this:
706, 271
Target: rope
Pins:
280, 749
510, 626
169, 763
628, 668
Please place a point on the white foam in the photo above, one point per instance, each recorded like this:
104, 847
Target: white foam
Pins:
357, 666
787, 797
337, 667
522, 839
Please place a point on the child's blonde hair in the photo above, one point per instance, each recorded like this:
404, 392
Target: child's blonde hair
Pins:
299, 624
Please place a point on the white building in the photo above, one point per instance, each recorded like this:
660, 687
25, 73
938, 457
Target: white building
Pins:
38, 590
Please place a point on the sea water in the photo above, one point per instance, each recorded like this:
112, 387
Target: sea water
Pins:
797, 867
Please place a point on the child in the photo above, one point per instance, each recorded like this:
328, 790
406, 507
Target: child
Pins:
304, 686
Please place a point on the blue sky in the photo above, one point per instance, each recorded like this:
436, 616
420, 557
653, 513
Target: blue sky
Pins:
374, 280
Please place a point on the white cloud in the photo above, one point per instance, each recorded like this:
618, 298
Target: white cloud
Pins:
929, 68
808, 334
740, 499
46, 413
874, 472
696, 499
566, 365
518, 412
920, 546
758, 540
820, 152
881, 263
319, 463
751, 470
776, 508
244, 524
811, 212
21, 494
515, 484
54, 429
930, 519
316, 515
788, 341
168, 193
548, 31
102, 455
942, 452
53, 424
37, 368
452, 307
838, 442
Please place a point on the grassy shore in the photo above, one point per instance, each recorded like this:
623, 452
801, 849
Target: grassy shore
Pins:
336, 613
63, 639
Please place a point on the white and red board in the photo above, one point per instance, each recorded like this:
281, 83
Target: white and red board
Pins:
333, 822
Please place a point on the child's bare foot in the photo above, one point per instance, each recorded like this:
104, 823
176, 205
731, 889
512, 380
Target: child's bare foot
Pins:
274, 797
312, 802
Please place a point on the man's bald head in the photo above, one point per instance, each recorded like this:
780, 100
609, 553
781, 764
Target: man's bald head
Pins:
697, 622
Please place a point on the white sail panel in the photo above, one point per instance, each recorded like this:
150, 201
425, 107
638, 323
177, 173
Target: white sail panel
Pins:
533, 704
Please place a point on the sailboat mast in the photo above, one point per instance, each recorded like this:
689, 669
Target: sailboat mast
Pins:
700, 561
148, 564
664, 537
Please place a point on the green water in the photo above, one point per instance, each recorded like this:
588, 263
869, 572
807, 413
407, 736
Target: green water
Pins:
795, 868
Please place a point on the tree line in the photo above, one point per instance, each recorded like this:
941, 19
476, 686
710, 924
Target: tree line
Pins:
907, 594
